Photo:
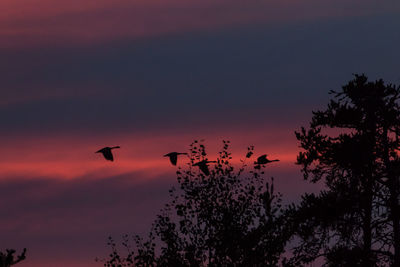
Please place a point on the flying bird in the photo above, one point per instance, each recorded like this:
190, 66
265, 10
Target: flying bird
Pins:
263, 160
106, 151
203, 166
173, 157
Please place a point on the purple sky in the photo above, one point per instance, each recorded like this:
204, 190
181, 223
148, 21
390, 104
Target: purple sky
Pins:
152, 76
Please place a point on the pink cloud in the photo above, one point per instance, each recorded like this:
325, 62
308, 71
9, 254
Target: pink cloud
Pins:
73, 156
74, 22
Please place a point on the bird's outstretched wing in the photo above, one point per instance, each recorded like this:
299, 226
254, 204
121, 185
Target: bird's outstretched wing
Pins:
174, 159
204, 169
108, 155
203, 166
262, 159
106, 151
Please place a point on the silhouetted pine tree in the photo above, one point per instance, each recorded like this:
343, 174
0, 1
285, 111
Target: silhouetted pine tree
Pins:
353, 148
231, 217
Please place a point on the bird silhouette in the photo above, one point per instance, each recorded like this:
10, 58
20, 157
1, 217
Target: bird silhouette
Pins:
203, 166
173, 157
106, 151
263, 160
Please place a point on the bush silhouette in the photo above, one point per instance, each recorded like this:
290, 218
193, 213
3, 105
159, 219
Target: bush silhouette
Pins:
231, 217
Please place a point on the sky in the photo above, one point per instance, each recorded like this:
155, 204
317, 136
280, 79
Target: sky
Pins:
152, 76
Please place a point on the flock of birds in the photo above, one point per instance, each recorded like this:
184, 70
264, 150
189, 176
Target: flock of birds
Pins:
173, 157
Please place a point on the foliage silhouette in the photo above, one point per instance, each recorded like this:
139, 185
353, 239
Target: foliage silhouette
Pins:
226, 217
352, 147
223, 216
7, 259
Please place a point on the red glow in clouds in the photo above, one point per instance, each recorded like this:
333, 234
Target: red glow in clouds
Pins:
60, 157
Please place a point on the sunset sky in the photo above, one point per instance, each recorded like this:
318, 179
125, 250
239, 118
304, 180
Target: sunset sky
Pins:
152, 76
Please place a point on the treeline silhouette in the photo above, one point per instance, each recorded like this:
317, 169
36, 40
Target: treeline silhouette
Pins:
355, 221
232, 216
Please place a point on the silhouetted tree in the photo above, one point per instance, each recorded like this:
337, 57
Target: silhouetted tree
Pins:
225, 217
353, 148
7, 259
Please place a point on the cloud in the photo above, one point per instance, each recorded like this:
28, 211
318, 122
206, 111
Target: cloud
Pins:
69, 156
50, 216
32, 22
232, 77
